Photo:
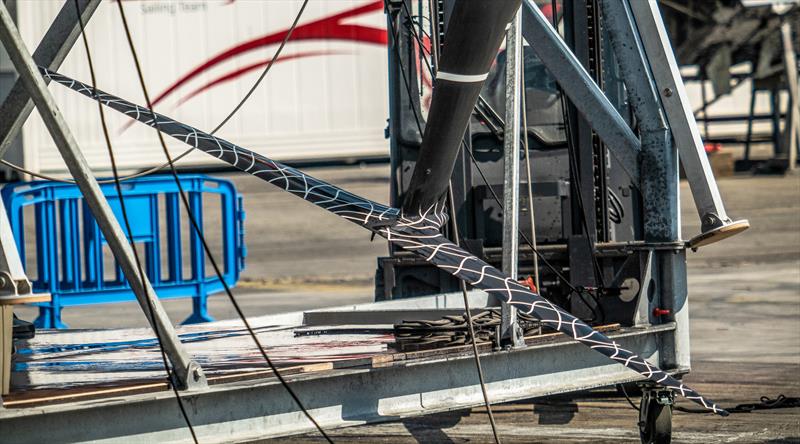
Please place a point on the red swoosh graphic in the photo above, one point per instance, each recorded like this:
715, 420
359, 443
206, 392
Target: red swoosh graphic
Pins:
329, 28
241, 71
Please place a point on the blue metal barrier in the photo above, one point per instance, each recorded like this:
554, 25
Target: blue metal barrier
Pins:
74, 266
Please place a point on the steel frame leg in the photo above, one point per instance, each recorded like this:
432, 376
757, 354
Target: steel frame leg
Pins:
509, 329
715, 223
659, 162
188, 373
749, 141
578, 85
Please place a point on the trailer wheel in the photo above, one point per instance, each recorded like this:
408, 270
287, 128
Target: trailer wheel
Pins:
655, 417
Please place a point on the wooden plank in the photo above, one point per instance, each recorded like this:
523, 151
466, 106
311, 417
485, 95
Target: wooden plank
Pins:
25, 299
75, 394
6, 344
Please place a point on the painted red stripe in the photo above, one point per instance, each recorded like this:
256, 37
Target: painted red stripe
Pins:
244, 70
329, 28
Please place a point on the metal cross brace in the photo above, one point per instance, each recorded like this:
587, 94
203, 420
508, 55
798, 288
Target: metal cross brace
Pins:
604, 119
188, 373
579, 86
509, 329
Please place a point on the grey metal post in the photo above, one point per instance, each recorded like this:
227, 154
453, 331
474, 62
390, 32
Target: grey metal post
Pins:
51, 52
509, 327
793, 114
187, 371
579, 86
716, 224
658, 161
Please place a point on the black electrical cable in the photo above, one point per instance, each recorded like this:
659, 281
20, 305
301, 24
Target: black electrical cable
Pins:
170, 375
470, 323
197, 229
625, 393
765, 403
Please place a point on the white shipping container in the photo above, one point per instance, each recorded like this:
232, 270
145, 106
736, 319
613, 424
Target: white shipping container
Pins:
325, 97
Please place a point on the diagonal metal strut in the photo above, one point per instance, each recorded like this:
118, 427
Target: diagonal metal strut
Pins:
188, 373
578, 85
51, 52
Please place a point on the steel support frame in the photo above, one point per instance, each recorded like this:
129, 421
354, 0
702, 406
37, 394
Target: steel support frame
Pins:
187, 372
237, 412
659, 182
672, 93
509, 329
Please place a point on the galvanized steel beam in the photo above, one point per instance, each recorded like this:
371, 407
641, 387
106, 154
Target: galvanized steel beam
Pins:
679, 114
509, 329
260, 409
659, 160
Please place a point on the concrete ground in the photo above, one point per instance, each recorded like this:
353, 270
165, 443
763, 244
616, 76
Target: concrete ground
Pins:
744, 296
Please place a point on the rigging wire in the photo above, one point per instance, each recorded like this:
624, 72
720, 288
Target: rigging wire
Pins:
528, 170
170, 375
470, 323
198, 231
573, 289
454, 223
180, 156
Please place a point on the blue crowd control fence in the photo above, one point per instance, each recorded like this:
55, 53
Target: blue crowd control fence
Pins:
69, 258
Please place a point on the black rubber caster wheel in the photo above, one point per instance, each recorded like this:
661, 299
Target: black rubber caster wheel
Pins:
655, 417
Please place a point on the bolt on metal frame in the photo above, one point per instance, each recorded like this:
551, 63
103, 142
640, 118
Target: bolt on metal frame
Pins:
187, 372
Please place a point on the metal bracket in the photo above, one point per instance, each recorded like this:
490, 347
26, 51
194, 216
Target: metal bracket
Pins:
15, 288
642, 317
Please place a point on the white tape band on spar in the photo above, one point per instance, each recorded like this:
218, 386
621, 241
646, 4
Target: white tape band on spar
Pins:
463, 78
